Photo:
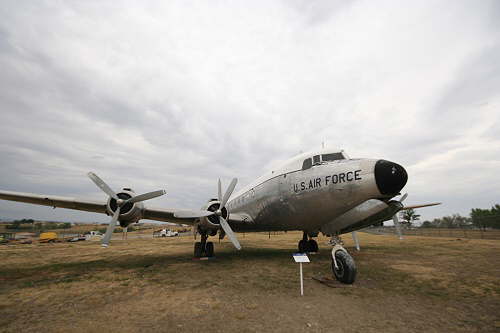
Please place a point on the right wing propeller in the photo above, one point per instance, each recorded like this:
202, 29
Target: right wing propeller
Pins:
397, 225
119, 203
395, 218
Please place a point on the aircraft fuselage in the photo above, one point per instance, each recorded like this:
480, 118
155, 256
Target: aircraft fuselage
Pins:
307, 199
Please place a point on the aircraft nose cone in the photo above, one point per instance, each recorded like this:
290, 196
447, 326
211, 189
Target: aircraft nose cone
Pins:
390, 177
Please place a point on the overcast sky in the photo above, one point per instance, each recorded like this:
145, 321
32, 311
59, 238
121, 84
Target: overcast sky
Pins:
175, 94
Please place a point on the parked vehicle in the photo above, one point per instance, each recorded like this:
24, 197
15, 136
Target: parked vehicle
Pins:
89, 235
165, 233
48, 237
77, 238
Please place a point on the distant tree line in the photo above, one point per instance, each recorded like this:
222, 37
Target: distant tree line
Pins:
30, 224
478, 218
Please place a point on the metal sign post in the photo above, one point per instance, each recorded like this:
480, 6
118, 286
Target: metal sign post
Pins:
300, 258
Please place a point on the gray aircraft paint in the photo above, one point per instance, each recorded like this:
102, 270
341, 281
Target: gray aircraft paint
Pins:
275, 204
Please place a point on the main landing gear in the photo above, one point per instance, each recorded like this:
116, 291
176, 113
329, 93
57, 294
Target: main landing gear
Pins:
203, 248
343, 266
307, 245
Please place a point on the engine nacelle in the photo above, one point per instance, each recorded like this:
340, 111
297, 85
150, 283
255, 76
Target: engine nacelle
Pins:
130, 212
212, 221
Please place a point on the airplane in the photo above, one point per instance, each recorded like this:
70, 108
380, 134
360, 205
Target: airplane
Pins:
323, 190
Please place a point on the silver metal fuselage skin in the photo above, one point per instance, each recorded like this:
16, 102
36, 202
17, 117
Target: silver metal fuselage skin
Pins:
306, 199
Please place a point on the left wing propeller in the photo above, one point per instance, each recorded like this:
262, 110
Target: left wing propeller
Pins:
119, 203
204, 213
225, 226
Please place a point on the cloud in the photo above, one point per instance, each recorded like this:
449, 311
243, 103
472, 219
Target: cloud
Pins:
175, 95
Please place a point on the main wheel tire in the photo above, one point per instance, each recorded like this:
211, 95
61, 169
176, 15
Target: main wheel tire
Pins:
346, 271
198, 251
209, 249
303, 246
312, 245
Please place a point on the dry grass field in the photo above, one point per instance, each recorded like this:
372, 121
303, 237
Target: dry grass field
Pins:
140, 285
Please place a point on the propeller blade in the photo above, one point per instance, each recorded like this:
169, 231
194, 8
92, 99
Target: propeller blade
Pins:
403, 197
111, 227
355, 239
230, 234
102, 185
220, 192
397, 225
421, 206
146, 196
228, 193
186, 214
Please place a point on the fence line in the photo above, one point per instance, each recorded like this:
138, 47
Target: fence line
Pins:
453, 232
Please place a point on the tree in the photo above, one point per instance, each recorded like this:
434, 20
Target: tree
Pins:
451, 221
427, 224
409, 216
495, 211
486, 218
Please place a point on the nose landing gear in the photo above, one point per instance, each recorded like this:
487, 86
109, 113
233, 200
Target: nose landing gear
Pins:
343, 266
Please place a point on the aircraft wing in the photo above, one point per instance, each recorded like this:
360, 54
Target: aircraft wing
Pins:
168, 215
164, 215
55, 201
157, 214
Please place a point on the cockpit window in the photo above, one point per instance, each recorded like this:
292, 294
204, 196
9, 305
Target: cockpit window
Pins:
332, 157
316, 160
307, 164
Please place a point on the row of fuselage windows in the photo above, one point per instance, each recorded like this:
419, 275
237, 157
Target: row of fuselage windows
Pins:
318, 159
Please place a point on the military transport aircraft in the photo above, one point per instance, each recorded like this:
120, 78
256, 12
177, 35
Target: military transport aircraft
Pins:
319, 191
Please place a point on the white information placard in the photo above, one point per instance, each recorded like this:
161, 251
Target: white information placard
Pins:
301, 257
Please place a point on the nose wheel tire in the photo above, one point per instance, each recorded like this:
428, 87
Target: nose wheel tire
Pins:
345, 271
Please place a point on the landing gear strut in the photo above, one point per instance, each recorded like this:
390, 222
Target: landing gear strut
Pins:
343, 266
203, 248
307, 244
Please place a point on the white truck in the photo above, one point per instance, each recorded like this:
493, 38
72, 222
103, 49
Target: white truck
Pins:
89, 235
165, 233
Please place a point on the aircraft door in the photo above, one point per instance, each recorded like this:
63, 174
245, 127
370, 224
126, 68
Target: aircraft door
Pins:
284, 188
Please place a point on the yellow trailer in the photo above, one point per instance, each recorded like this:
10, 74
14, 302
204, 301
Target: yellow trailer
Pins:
48, 237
